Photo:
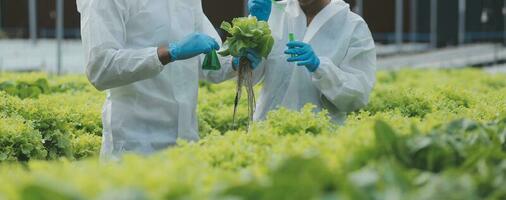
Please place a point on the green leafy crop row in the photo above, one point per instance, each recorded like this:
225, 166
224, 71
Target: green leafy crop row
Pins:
65, 118
24, 89
432, 134
461, 160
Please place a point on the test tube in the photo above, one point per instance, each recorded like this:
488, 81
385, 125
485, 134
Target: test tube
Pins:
291, 38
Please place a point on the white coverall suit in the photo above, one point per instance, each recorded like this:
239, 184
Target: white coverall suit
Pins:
149, 106
346, 74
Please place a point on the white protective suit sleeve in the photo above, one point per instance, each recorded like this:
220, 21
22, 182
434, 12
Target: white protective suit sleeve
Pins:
109, 63
349, 84
259, 72
227, 71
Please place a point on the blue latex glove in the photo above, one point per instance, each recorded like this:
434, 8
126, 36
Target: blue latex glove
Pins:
304, 55
260, 9
192, 45
252, 56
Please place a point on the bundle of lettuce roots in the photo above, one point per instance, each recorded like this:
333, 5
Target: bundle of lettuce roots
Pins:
246, 33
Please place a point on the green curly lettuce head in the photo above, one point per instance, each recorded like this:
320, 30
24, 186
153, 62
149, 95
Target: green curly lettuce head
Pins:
247, 33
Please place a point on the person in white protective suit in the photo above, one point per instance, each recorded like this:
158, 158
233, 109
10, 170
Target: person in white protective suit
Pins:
332, 65
147, 55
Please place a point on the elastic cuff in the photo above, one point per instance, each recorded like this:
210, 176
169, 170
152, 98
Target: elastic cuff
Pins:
318, 73
156, 58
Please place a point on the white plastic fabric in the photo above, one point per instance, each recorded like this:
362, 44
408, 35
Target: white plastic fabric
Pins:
149, 106
292, 12
346, 75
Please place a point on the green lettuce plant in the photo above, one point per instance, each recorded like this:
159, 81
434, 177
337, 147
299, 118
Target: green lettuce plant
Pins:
246, 33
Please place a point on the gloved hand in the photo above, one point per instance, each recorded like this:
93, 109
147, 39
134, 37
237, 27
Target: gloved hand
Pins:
252, 56
192, 45
304, 55
260, 9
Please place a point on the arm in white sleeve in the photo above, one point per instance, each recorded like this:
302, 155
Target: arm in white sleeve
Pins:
109, 63
349, 84
259, 72
226, 72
